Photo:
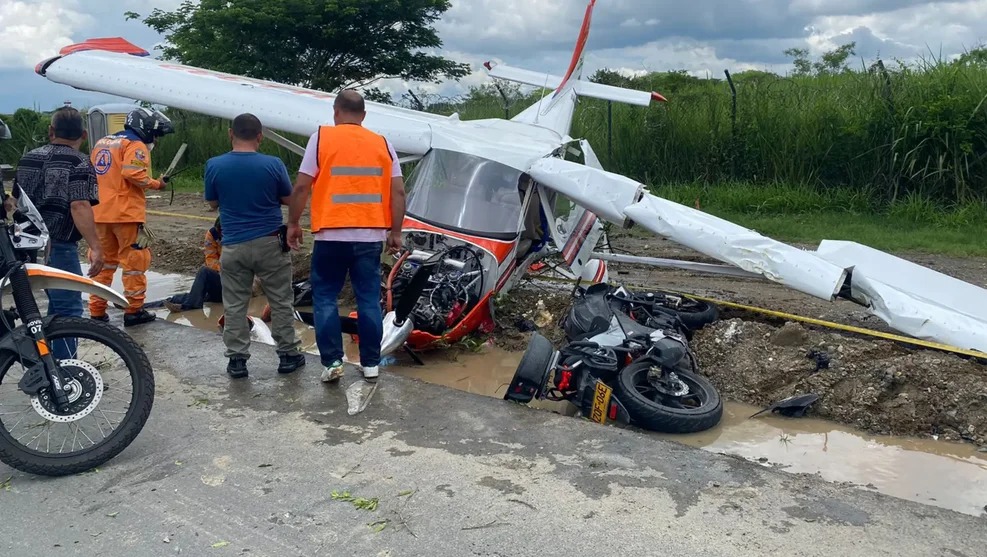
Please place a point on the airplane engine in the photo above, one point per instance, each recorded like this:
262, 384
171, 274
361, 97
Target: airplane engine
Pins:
453, 289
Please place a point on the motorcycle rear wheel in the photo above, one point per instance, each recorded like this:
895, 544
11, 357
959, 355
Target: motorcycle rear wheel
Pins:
34, 461
654, 410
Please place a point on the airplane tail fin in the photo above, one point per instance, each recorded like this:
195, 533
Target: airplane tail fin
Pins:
555, 111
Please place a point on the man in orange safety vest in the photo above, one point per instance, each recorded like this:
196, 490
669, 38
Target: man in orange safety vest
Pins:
353, 176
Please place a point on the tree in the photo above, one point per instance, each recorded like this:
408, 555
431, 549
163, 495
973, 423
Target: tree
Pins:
830, 62
974, 57
800, 59
606, 76
834, 61
319, 44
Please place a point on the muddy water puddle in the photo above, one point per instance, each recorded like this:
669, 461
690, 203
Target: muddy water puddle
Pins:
939, 473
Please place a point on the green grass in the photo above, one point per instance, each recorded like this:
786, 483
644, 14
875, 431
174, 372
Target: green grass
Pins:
188, 184
875, 231
803, 215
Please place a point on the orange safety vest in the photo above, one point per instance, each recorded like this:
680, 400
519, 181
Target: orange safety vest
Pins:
122, 171
353, 185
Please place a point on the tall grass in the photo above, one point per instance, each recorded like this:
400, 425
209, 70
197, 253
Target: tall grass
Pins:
886, 133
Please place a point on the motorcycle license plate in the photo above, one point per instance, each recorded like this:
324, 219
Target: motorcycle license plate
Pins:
601, 402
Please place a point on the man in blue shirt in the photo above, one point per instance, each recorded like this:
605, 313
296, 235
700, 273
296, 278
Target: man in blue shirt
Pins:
249, 188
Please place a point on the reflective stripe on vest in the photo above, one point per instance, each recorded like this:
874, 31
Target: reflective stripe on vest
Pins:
356, 198
353, 185
356, 171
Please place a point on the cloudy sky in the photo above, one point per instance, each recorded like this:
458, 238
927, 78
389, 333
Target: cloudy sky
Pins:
704, 36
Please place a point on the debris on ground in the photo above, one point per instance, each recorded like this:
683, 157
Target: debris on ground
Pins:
793, 406
526, 310
876, 386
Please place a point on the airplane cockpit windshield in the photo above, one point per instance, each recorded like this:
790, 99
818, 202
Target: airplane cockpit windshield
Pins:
465, 193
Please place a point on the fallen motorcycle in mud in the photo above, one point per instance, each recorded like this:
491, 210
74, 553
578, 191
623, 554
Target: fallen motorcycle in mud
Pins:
626, 360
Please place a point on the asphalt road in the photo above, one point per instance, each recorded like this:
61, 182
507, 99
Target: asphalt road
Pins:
249, 468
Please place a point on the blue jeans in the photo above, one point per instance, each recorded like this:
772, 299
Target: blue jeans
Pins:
64, 256
207, 287
330, 263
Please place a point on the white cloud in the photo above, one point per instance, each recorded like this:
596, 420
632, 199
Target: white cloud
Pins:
34, 30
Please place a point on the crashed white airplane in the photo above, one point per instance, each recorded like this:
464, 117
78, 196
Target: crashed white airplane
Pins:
909, 298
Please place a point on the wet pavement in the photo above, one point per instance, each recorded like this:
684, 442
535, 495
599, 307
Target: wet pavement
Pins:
942, 474
271, 465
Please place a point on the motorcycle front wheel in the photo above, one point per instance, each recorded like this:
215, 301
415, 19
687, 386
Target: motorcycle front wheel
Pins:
107, 368
680, 402
695, 314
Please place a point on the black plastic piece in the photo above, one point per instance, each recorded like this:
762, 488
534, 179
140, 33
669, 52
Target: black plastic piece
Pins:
34, 381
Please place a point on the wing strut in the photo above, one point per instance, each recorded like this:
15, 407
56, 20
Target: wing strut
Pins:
284, 142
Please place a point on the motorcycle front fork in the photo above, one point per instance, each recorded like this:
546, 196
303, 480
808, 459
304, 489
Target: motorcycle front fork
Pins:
30, 314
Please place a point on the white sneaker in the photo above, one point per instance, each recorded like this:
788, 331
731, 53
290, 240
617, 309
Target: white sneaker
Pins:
333, 372
370, 373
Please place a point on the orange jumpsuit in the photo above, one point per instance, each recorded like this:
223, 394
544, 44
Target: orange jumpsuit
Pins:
213, 250
122, 163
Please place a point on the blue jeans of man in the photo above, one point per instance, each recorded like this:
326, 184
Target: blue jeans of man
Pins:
331, 261
64, 256
207, 287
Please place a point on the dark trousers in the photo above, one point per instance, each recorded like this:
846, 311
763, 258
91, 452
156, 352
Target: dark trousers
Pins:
207, 287
331, 261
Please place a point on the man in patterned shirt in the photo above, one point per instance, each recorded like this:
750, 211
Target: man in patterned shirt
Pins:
61, 183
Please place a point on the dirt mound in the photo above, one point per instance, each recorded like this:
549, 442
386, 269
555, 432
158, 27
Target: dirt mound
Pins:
525, 310
877, 386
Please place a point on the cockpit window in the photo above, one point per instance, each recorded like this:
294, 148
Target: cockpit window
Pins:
466, 193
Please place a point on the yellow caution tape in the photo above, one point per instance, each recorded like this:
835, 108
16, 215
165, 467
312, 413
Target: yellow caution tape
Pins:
818, 322
753, 309
181, 216
842, 327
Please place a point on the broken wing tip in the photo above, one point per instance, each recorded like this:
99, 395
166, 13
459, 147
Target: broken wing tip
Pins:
110, 44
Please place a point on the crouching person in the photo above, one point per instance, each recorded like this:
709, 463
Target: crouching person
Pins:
208, 286
249, 188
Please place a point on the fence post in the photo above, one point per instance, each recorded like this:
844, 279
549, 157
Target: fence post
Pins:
610, 134
733, 126
507, 105
733, 105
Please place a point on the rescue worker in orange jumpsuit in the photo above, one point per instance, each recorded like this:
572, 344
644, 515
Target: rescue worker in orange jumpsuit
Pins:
123, 164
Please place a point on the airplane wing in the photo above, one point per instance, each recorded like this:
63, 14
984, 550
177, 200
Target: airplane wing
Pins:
909, 298
119, 68
621, 200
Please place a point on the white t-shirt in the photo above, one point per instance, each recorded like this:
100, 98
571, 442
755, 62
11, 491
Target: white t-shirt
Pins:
310, 166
